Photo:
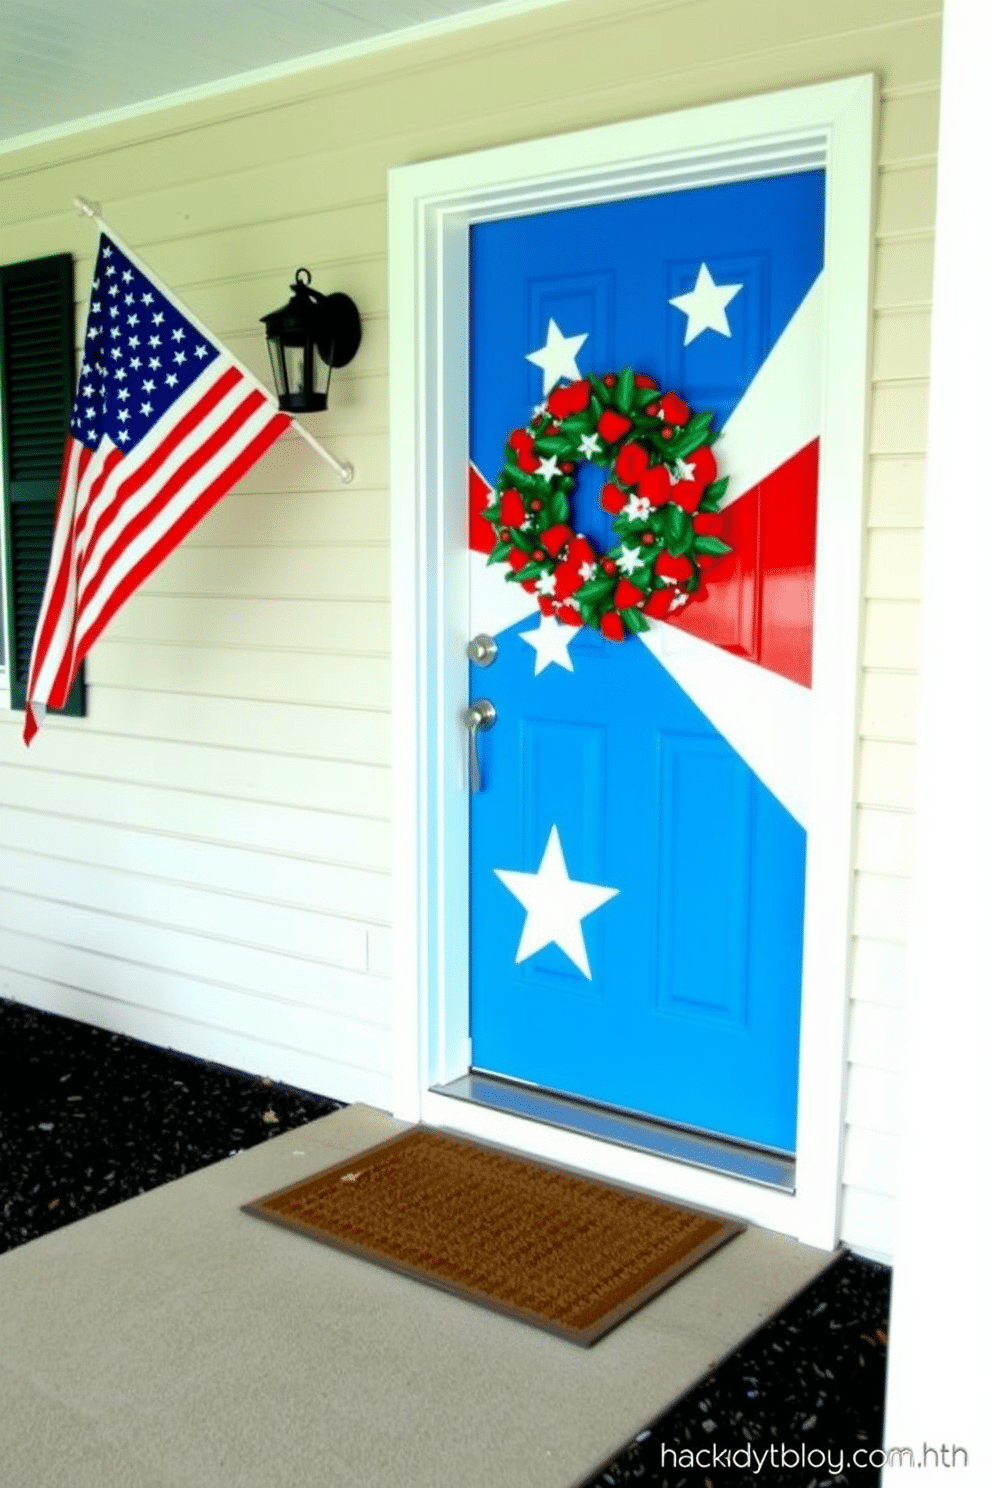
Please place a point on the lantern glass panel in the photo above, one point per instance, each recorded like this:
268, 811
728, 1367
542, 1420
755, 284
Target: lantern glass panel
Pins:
278, 366
296, 368
321, 375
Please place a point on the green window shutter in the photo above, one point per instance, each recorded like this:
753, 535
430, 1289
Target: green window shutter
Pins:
37, 376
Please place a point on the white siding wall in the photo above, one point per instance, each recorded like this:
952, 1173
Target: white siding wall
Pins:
204, 861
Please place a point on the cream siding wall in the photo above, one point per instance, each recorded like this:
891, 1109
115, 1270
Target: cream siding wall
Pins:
205, 860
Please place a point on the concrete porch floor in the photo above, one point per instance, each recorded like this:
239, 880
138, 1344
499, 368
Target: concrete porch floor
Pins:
174, 1342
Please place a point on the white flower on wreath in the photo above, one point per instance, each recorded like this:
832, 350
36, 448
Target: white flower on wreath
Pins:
637, 509
630, 558
682, 471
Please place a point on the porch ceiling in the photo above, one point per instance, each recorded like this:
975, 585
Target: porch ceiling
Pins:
61, 64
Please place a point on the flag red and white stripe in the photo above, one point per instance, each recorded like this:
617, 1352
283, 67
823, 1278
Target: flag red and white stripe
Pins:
124, 506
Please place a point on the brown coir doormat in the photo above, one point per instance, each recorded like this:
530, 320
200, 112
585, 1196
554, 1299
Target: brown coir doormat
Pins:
568, 1253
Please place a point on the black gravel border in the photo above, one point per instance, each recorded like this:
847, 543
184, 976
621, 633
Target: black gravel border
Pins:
89, 1118
811, 1383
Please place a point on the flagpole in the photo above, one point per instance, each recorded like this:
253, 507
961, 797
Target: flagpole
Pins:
344, 470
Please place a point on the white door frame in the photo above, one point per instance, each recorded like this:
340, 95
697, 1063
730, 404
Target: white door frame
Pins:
431, 207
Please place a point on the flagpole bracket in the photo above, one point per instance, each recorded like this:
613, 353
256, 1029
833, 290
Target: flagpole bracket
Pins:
86, 208
344, 469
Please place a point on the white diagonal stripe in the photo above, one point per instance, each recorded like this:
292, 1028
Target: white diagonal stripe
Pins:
780, 413
765, 717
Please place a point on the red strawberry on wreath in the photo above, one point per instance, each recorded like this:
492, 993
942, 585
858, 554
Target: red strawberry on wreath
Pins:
662, 490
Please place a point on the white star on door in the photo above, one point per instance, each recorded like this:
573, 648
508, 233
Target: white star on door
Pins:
551, 641
556, 358
705, 306
556, 905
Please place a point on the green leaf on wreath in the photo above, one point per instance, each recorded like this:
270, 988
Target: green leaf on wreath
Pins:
529, 571
626, 388
559, 508
707, 544
552, 444
524, 480
593, 612
500, 552
698, 427
595, 589
600, 391
677, 528
717, 489
634, 620
521, 540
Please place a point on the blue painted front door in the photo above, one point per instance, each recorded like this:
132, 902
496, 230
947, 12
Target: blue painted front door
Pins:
637, 888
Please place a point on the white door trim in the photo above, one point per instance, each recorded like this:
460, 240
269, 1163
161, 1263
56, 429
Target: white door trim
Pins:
431, 207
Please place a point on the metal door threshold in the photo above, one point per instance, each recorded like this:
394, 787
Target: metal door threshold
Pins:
753, 1164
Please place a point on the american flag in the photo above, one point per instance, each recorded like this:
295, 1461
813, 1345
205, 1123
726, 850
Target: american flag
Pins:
165, 422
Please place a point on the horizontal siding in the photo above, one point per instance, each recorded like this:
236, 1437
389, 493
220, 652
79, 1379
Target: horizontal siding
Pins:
877, 1036
895, 492
356, 627
240, 774
263, 842
884, 842
323, 518
874, 1100
892, 634
300, 1045
206, 858
904, 272
899, 419
871, 1160
882, 901
239, 671
276, 571
888, 706
878, 975
871, 1218
886, 774
353, 735
881, 906
184, 942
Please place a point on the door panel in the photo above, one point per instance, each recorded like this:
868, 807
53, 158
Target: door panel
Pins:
697, 769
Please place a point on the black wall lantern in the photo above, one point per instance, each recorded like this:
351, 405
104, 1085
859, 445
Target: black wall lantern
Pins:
306, 338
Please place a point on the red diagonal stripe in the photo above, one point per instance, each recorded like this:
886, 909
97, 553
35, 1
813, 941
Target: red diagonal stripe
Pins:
156, 459
758, 599
183, 476
184, 523
56, 590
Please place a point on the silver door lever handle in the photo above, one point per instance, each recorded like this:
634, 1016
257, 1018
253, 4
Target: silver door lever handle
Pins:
479, 715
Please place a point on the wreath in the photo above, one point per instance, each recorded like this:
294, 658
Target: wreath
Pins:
661, 489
